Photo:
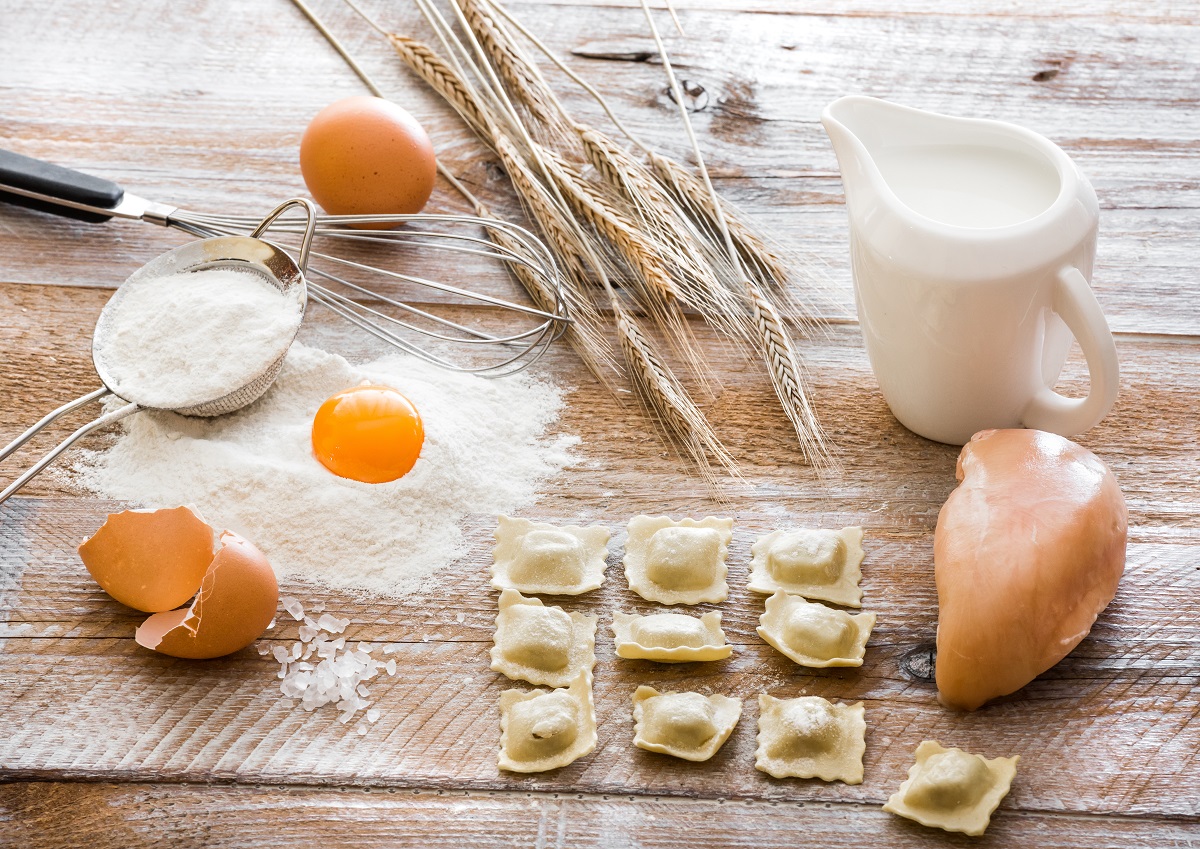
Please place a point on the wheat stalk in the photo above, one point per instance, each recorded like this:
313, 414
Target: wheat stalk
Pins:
756, 250
669, 401
698, 269
514, 68
690, 191
650, 271
783, 363
547, 202
665, 241
429, 67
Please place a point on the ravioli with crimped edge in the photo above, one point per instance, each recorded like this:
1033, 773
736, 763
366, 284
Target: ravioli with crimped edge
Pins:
810, 737
678, 562
670, 637
814, 635
540, 644
542, 730
953, 790
814, 563
537, 557
690, 726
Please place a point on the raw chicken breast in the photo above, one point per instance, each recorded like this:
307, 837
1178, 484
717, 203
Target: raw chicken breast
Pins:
1027, 552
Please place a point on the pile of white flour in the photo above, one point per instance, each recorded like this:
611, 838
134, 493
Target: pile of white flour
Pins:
486, 451
181, 339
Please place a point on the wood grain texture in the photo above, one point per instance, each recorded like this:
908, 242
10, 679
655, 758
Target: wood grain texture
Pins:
131, 816
107, 744
1121, 102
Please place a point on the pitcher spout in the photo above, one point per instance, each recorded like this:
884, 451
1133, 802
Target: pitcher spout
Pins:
854, 124
927, 172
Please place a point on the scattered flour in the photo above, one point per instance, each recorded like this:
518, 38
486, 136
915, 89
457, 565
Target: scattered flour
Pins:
253, 471
177, 340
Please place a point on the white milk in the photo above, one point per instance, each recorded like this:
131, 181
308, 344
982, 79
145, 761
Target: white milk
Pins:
971, 243
969, 185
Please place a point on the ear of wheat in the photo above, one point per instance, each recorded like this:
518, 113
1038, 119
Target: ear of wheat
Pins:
647, 240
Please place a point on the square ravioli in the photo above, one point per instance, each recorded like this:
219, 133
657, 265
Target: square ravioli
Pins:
535, 557
953, 790
678, 562
810, 737
670, 637
820, 564
542, 730
690, 726
814, 635
540, 644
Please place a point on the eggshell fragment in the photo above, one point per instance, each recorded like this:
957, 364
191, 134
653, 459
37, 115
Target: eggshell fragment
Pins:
235, 604
150, 560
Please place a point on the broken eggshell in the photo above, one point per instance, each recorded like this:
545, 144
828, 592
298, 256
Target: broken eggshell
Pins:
156, 560
150, 560
235, 604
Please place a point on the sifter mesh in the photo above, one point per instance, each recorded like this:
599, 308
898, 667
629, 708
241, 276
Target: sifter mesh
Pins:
240, 252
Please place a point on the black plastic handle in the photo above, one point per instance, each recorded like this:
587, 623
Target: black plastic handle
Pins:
34, 175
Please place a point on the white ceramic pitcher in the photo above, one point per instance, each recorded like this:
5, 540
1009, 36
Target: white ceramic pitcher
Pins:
971, 243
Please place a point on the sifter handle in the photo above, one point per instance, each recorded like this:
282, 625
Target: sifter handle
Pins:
47, 459
59, 190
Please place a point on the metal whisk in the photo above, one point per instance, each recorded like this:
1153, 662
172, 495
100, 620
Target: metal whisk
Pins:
51, 188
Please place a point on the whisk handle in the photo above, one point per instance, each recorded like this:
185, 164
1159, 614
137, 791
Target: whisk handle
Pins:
61, 191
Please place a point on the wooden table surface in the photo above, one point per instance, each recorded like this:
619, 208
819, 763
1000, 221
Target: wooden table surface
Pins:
201, 104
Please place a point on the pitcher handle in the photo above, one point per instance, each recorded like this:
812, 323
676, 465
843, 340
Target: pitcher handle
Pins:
1052, 411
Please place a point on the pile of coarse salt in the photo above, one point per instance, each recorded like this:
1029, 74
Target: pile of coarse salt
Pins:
339, 673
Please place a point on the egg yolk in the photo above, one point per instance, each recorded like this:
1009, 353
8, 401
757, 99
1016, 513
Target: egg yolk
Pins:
371, 434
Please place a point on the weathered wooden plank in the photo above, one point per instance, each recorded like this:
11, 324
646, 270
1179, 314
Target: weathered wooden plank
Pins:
121, 816
1102, 105
81, 700
1109, 738
48, 329
1112, 10
109, 710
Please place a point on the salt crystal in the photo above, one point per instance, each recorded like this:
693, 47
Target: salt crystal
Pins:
293, 606
332, 624
318, 607
373, 715
264, 650
338, 678
362, 730
460, 617
389, 649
